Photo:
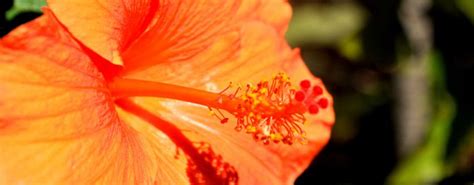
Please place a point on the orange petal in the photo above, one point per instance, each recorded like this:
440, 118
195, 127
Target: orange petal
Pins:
262, 54
161, 31
180, 30
273, 12
106, 26
58, 124
184, 28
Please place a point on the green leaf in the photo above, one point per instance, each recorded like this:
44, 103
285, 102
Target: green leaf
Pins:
20, 6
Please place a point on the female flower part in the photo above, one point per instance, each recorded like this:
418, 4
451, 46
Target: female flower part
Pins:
158, 92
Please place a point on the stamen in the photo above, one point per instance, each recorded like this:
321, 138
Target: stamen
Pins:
219, 116
271, 111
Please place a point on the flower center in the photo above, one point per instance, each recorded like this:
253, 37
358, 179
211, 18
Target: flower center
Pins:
271, 111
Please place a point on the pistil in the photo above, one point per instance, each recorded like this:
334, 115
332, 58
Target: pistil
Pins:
271, 111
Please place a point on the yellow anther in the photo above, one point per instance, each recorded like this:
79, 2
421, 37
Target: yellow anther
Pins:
251, 114
255, 104
212, 113
276, 137
251, 129
252, 95
285, 77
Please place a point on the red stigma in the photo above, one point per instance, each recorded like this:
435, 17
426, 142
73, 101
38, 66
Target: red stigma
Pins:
305, 84
313, 109
299, 96
317, 90
323, 103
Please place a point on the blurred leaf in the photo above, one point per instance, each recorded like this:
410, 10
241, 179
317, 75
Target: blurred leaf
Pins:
427, 165
325, 24
467, 7
20, 6
351, 48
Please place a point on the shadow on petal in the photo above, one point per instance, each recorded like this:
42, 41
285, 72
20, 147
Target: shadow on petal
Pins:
204, 165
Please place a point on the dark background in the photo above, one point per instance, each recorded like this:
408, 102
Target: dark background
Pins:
360, 49
364, 149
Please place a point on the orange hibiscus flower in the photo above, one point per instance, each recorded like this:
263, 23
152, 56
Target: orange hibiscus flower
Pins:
137, 92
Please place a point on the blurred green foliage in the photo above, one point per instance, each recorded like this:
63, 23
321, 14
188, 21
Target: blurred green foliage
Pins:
20, 6
427, 165
467, 7
340, 21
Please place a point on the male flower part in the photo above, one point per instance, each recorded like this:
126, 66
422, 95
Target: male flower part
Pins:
158, 92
